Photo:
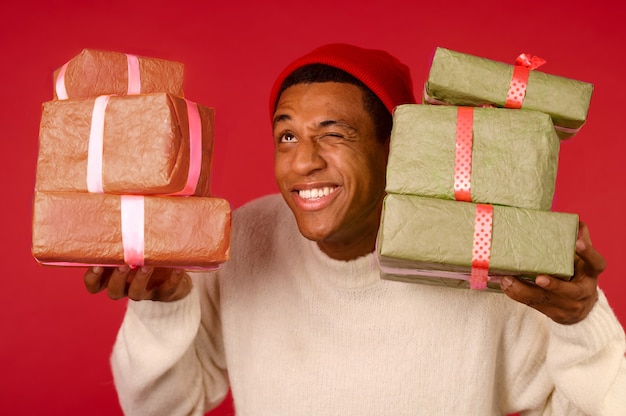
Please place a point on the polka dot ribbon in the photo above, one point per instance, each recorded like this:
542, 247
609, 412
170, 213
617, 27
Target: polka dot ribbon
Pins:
463, 154
482, 246
517, 89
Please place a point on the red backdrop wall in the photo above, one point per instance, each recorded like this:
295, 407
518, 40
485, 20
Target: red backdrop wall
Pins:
56, 338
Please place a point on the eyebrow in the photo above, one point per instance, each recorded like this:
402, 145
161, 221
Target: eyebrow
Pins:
322, 124
340, 123
279, 118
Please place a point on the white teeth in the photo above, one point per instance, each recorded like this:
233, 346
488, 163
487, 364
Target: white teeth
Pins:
316, 193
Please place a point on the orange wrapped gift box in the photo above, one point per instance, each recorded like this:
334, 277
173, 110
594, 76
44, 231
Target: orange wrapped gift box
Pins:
136, 144
103, 229
94, 72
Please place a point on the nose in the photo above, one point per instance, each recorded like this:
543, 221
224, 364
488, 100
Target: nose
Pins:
307, 158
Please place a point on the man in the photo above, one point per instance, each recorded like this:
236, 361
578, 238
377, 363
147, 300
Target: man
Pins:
298, 322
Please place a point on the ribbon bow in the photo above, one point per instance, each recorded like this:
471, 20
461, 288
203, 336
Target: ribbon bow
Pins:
529, 61
517, 89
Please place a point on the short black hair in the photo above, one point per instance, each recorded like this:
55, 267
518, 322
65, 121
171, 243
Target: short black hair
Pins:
312, 73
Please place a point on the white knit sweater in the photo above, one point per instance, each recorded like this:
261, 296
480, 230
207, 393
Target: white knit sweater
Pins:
293, 332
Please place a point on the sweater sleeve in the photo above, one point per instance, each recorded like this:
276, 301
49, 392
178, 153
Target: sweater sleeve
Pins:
155, 364
587, 364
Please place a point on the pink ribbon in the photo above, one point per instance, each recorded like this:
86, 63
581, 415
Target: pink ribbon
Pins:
463, 154
60, 83
134, 78
77, 264
96, 143
96, 140
132, 216
482, 246
195, 149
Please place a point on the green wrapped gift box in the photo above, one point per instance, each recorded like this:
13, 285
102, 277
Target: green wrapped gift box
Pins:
514, 155
461, 79
430, 240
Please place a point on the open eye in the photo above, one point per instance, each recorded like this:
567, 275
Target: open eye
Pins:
287, 138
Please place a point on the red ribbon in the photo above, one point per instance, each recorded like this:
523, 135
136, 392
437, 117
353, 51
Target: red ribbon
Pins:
463, 154
529, 61
519, 81
482, 246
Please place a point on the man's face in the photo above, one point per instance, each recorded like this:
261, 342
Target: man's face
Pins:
329, 166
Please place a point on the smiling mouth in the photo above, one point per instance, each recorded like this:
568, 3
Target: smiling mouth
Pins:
316, 193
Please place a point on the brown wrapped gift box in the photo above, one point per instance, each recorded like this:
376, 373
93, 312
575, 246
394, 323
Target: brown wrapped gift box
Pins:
94, 72
146, 146
86, 229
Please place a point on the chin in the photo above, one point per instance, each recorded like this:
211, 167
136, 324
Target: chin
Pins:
313, 235
313, 232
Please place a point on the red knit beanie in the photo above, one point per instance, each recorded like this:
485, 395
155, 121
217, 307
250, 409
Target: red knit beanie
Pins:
382, 73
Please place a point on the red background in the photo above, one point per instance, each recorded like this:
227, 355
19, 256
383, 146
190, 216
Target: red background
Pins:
56, 338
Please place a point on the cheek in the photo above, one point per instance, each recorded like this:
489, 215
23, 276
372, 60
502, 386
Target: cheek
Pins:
281, 165
371, 168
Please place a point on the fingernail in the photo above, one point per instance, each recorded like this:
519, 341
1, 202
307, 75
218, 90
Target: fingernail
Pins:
146, 269
506, 282
580, 245
123, 268
542, 281
96, 270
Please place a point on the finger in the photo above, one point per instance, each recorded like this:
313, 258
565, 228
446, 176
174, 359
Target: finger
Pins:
532, 296
558, 292
580, 270
583, 232
562, 289
564, 302
118, 283
95, 279
519, 290
175, 287
137, 289
594, 262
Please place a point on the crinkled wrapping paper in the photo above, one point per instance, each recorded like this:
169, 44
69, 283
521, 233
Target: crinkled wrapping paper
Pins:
514, 155
146, 147
95, 72
77, 228
461, 79
430, 240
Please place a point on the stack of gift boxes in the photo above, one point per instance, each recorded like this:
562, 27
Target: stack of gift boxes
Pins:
470, 179
123, 169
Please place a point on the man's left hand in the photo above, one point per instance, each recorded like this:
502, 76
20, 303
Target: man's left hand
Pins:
564, 302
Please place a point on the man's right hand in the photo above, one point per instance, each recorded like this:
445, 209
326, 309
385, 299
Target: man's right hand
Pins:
142, 283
